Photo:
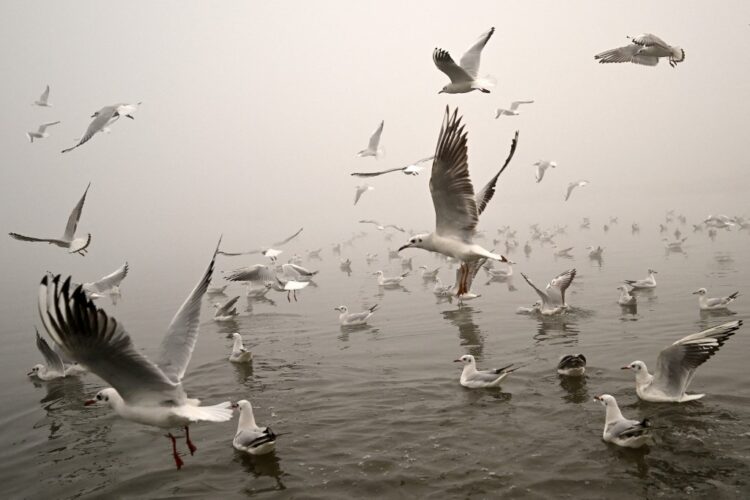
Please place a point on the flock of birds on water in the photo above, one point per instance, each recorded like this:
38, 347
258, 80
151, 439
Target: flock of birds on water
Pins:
85, 338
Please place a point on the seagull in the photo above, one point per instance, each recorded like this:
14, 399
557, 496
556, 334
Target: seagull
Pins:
43, 99
381, 227
102, 120
441, 290
373, 147
553, 297
410, 169
227, 311
572, 365
389, 282
267, 251
360, 190
499, 274
68, 239
263, 275
572, 186
649, 282
644, 49
354, 319
54, 366
674, 246
535, 308
216, 290
249, 437
676, 365
541, 167
108, 285
709, 304
429, 275
595, 253
512, 111
290, 286
41, 132
239, 353
625, 298
621, 431
468, 275
481, 379
465, 75
297, 273
457, 207
142, 391
562, 252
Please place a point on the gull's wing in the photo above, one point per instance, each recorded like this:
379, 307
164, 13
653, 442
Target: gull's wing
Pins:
45, 95
177, 346
484, 196
560, 283
44, 126
629, 53
677, 363
628, 428
487, 375
470, 60
374, 174
648, 40
542, 294
75, 215
445, 63
227, 307
22, 237
358, 193
571, 187
397, 228
539, 172
53, 360
473, 268
452, 193
108, 282
375, 138
514, 105
251, 438
101, 119
296, 271
258, 273
369, 221
360, 316
98, 342
429, 158
287, 240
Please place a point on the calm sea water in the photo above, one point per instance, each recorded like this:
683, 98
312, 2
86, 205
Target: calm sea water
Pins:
378, 412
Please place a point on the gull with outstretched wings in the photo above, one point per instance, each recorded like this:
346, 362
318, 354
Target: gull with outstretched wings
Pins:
465, 75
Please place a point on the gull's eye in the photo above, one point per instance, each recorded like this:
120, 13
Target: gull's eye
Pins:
99, 397
420, 240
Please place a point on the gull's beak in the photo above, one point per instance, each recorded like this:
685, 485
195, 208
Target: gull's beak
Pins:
89, 402
234, 406
696, 292
456, 360
441, 91
404, 246
30, 373
597, 398
624, 368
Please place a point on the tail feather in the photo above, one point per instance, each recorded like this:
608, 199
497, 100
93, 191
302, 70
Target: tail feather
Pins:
734, 296
373, 308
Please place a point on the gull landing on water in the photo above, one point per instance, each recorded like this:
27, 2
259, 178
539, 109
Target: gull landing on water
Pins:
553, 297
464, 77
68, 239
513, 111
373, 147
55, 366
645, 49
41, 132
457, 207
621, 431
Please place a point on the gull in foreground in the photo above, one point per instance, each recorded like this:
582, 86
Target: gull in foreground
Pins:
625, 298
373, 147
553, 297
41, 132
360, 190
513, 111
54, 366
102, 120
572, 186
481, 379
457, 207
676, 365
381, 227
239, 353
649, 282
541, 167
472, 268
142, 391
227, 311
620, 430
572, 365
266, 251
249, 437
644, 49
43, 100
465, 75
353, 319
710, 304
108, 285
410, 169
389, 282
68, 239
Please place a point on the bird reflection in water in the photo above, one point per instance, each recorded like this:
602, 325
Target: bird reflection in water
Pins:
468, 331
261, 466
575, 388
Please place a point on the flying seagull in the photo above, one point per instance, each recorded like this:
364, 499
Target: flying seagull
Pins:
373, 147
68, 239
541, 167
645, 49
102, 120
513, 109
360, 191
553, 296
109, 284
464, 76
268, 251
41, 132
457, 207
411, 169
43, 99
572, 186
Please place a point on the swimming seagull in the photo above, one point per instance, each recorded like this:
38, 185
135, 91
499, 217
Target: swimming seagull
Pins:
481, 379
541, 167
108, 285
620, 430
411, 169
239, 353
267, 251
373, 147
226, 311
465, 75
644, 49
625, 298
54, 367
457, 207
553, 297
68, 239
249, 437
513, 109
676, 365
708, 304
649, 282
142, 391
390, 281
41, 132
353, 319
572, 365
102, 120
360, 190
44, 99
572, 186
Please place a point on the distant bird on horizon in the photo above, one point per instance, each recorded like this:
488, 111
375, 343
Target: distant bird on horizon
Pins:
513, 109
645, 49
41, 132
465, 75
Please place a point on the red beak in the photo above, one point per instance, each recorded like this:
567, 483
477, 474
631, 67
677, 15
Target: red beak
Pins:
624, 368
456, 360
89, 402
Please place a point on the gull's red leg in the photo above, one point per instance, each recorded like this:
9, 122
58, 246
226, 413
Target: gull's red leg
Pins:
177, 460
190, 444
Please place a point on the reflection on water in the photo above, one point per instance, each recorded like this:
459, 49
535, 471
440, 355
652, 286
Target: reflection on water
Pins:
261, 466
468, 331
576, 389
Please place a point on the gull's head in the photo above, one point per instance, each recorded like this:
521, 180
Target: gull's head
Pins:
444, 90
243, 405
103, 396
236, 336
341, 309
651, 271
416, 241
700, 291
35, 370
605, 399
465, 359
636, 366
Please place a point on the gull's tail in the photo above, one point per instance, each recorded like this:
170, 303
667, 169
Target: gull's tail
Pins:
485, 83
216, 413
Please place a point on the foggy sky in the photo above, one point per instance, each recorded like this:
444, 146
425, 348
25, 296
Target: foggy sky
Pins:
253, 112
